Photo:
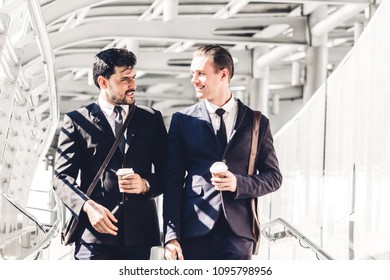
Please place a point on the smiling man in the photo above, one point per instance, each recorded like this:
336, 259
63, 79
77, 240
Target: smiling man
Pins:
84, 142
209, 217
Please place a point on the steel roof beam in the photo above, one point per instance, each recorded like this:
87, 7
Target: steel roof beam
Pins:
173, 31
154, 62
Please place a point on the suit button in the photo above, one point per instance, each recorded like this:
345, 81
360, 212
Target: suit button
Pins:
126, 198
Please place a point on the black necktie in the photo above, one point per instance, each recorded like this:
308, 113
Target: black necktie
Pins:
221, 132
118, 125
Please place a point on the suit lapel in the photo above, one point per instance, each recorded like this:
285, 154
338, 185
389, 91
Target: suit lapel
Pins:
203, 114
240, 120
132, 129
241, 114
99, 120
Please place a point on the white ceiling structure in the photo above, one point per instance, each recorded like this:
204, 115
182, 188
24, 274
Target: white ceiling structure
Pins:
273, 35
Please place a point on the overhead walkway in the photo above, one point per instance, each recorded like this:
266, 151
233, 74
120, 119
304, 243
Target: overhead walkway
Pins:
334, 156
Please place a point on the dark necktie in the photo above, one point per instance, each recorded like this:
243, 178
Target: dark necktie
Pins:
118, 125
221, 132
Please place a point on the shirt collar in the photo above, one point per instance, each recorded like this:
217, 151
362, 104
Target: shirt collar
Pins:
108, 108
228, 107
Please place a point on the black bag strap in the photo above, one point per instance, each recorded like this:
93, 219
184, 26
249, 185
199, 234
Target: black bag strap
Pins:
112, 150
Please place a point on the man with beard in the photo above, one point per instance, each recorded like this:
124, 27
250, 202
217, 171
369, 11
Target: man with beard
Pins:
86, 137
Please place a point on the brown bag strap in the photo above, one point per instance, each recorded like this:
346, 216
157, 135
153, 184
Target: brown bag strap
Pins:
251, 171
255, 141
112, 150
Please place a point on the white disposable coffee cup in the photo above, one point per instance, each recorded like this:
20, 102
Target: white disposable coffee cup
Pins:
218, 169
122, 172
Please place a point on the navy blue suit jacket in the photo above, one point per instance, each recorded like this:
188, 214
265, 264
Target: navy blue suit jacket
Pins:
84, 142
191, 204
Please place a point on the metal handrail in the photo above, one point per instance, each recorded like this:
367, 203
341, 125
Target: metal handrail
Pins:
34, 251
45, 242
292, 231
16, 235
24, 211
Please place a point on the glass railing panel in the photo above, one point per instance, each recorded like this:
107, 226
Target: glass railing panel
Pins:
357, 162
335, 155
299, 147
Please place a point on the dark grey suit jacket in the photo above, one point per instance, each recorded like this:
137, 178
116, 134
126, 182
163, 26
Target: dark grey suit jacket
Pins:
85, 140
191, 204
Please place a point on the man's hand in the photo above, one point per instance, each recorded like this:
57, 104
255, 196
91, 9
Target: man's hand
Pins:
172, 250
133, 183
100, 217
226, 183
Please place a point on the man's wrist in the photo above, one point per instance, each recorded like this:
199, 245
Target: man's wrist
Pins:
146, 185
86, 206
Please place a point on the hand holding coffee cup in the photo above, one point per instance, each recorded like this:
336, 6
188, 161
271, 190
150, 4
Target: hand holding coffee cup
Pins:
123, 172
218, 169
222, 179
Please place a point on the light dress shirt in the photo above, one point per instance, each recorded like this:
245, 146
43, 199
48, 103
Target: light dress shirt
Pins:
108, 110
229, 117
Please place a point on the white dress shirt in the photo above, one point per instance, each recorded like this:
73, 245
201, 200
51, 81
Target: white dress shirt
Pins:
229, 117
108, 110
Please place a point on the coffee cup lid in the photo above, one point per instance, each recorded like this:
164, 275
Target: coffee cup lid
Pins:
218, 167
124, 171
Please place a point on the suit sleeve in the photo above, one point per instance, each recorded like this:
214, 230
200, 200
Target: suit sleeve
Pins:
267, 177
173, 181
67, 165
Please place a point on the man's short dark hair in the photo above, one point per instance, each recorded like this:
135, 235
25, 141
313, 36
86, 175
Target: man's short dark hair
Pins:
105, 62
221, 57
